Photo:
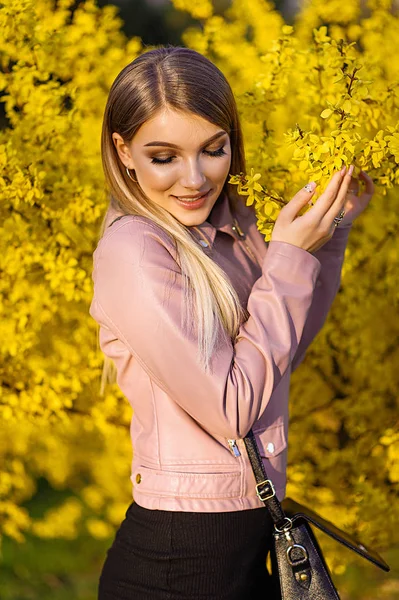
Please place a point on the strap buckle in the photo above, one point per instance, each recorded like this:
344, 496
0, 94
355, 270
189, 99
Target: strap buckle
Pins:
269, 488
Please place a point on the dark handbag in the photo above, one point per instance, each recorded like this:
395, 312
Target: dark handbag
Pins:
303, 573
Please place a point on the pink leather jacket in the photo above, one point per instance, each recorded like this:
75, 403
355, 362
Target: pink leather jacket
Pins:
187, 426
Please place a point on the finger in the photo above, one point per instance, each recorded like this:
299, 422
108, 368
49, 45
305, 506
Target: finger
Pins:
340, 199
354, 187
370, 187
298, 201
327, 198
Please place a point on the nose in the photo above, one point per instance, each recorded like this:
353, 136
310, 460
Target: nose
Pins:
192, 176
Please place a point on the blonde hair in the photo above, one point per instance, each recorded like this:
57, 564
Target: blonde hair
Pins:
182, 79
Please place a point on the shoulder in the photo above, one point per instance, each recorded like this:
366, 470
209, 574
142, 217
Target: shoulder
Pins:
135, 239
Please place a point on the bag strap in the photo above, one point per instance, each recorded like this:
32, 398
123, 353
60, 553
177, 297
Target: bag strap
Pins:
264, 486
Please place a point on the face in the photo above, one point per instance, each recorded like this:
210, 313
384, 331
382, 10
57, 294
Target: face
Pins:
177, 155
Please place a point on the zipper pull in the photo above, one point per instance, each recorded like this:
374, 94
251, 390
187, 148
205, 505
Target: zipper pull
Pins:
234, 448
235, 227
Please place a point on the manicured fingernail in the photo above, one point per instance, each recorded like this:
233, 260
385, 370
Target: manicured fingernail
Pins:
310, 187
351, 169
343, 170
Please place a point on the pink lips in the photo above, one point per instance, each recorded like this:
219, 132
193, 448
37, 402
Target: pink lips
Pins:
193, 204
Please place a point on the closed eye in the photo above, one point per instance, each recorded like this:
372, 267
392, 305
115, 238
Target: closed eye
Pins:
160, 161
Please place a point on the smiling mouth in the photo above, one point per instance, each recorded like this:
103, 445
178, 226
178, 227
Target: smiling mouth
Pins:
192, 198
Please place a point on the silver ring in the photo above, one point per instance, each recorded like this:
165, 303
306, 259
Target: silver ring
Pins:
305, 555
308, 188
338, 219
286, 527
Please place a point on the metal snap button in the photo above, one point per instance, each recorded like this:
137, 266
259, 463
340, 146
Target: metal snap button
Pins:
270, 447
138, 478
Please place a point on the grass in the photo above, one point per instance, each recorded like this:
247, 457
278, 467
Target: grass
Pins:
51, 569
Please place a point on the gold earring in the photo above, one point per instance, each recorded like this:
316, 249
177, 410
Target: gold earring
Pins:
130, 177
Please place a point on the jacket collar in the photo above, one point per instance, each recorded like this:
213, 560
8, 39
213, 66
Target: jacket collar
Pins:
220, 219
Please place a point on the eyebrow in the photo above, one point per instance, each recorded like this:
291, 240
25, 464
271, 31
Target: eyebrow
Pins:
211, 139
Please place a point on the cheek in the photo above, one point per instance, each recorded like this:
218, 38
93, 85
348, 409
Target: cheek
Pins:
156, 177
217, 170
222, 167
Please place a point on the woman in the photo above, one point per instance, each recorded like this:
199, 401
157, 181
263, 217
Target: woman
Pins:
204, 322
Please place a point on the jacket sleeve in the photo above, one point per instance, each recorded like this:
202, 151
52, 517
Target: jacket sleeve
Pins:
138, 294
331, 257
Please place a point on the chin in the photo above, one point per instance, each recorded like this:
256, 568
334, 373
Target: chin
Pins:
193, 220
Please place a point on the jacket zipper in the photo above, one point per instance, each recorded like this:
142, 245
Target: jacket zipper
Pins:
237, 229
234, 448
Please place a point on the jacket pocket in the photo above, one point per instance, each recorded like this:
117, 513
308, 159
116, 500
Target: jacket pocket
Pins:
272, 444
159, 482
271, 440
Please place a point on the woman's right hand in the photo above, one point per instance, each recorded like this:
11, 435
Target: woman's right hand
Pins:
313, 229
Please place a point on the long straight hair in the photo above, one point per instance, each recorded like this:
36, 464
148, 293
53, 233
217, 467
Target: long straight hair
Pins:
182, 79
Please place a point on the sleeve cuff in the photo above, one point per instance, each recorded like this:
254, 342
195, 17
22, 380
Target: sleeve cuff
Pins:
296, 258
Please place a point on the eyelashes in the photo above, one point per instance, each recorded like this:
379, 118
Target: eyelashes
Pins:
160, 161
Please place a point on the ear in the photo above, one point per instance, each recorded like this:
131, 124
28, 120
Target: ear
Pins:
123, 150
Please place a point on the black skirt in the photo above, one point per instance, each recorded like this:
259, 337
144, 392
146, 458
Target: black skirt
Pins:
169, 555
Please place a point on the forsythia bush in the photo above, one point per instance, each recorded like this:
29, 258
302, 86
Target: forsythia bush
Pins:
58, 62
312, 97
